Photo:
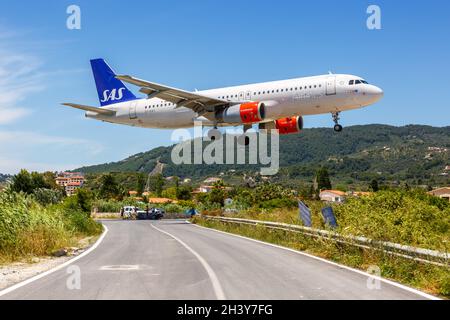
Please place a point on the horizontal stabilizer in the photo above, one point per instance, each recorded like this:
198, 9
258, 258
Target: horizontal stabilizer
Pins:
101, 111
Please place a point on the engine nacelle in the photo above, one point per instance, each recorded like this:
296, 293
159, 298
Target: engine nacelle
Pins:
250, 112
289, 125
285, 125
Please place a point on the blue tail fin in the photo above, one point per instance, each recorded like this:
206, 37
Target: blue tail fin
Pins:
110, 90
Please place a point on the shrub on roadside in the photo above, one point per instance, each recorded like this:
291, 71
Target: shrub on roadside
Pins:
28, 228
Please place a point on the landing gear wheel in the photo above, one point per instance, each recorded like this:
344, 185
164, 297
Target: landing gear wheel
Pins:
214, 134
243, 140
337, 128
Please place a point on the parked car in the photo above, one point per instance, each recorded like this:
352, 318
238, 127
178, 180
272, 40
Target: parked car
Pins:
128, 212
142, 214
156, 214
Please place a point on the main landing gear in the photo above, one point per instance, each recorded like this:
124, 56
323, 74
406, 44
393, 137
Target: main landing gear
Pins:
337, 126
244, 140
214, 134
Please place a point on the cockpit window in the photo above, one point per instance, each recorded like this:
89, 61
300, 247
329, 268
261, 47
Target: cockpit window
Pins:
364, 81
351, 82
357, 81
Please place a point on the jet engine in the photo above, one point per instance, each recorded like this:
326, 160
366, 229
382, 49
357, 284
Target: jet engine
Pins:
285, 125
250, 112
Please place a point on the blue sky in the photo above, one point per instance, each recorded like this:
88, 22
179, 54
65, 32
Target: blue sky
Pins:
205, 44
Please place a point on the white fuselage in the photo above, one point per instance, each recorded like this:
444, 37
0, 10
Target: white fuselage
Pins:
286, 98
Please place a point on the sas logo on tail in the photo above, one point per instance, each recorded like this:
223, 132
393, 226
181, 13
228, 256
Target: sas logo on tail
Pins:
112, 95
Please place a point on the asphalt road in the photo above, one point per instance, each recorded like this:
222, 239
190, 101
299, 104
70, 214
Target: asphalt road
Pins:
175, 260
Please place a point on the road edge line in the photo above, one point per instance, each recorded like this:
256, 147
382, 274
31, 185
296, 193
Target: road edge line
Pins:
393, 283
218, 291
59, 267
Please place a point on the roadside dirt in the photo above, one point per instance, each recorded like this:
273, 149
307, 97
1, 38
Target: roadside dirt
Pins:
16, 272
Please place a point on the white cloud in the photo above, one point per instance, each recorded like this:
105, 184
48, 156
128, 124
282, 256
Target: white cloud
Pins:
20, 149
10, 115
19, 75
22, 75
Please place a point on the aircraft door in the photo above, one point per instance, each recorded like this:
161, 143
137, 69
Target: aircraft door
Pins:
331, 85
133, 114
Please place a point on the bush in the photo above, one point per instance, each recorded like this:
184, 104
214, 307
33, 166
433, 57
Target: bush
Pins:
278, 203
407, 217
48, 196
28, 228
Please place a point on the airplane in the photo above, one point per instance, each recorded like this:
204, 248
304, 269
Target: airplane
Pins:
277, 105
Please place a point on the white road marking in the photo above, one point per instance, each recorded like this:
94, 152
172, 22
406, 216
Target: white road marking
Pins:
120, 268
212, 275
65, 264
395, 284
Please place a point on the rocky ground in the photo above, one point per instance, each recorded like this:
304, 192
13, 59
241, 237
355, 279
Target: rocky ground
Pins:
16, 272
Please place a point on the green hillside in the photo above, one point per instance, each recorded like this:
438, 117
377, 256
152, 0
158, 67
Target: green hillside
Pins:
412, 154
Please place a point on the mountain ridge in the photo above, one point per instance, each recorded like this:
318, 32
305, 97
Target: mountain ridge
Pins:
362, 152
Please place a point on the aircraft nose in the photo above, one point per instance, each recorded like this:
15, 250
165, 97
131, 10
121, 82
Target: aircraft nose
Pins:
379, 92
376, 92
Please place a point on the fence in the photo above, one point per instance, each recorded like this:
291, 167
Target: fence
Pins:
408, 252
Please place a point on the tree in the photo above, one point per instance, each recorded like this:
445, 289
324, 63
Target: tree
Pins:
109, 187
140, 185
156, 184
22, 182
374, 185
81, 200
184, 193
216, 196
48, 196
323, 179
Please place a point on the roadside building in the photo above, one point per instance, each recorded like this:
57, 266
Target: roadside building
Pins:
70, 181
161, 201
443, 193
332, 195
212, 180
207, 189
72, 187
62, 181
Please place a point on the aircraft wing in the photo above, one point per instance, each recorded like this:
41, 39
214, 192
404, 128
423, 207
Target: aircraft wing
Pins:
105, 112
199, 103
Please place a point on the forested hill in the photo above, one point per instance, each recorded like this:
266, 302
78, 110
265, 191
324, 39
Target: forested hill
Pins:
4, 177
414, 153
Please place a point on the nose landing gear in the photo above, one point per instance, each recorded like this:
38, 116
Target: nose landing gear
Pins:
337, 126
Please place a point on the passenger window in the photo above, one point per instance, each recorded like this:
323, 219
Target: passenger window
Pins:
351, 82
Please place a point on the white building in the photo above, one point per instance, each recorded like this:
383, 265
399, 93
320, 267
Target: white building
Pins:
332, 195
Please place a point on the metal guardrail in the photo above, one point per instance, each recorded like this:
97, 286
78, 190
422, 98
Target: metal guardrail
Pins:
408, 252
